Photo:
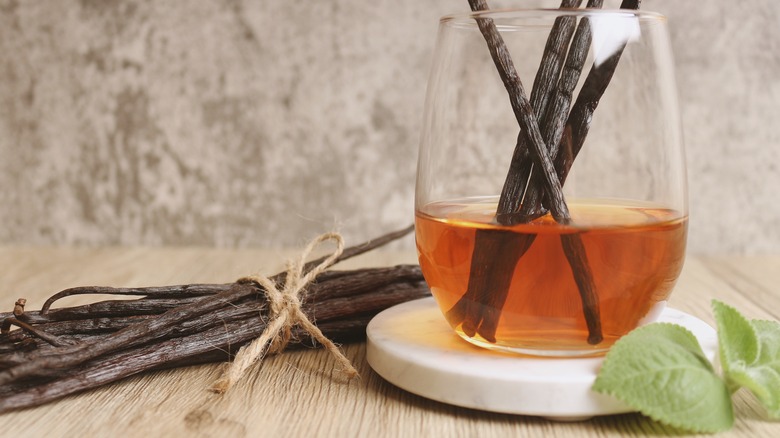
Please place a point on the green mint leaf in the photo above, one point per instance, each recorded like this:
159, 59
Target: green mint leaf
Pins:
750, 355
762, 377
737, 340
661, 370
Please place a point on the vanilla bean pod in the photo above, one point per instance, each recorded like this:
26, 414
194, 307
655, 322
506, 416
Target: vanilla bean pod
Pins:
226, 314
578, 123
356, 281
84, 326
155, 328
523, 112
480, 307
573, 247
179, 291
362, 248
558, 111
330, 285
154, 304
108, 309
340, 331
543, 87
48, 337
565, 148
341, 319
481, 310
555, 111
489, 278
51, 362
531, 202
209, 346
352, 298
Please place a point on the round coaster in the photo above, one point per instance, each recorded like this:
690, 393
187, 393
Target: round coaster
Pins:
412, 346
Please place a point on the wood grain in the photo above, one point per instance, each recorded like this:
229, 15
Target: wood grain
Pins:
297, 394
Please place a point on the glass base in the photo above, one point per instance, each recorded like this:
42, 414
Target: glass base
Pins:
538, 352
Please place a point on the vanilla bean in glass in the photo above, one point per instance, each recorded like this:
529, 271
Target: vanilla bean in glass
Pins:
579, 119
481, 305
627, 195
489, 278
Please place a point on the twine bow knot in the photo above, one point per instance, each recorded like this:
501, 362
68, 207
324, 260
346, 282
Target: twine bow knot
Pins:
285, 312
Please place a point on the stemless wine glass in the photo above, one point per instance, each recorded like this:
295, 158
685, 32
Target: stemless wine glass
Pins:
509, 269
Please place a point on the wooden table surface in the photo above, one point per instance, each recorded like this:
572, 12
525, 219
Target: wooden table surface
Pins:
293, 394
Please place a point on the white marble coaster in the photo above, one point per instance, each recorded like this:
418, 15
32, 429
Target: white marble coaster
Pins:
412, 346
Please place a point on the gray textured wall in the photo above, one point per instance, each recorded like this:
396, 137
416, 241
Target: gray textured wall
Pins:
244, 123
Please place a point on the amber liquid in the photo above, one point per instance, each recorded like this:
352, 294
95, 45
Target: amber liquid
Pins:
635, 254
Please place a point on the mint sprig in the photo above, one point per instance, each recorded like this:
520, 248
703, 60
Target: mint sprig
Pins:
750, 355
661, 371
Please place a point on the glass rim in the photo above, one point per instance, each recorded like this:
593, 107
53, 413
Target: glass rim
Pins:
467, 18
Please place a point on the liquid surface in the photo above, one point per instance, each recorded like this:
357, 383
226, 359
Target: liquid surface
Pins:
634, 253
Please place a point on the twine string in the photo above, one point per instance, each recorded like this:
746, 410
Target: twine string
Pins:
285, 313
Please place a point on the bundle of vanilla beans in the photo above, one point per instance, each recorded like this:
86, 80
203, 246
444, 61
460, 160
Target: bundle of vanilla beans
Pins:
552, 132
55, 352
